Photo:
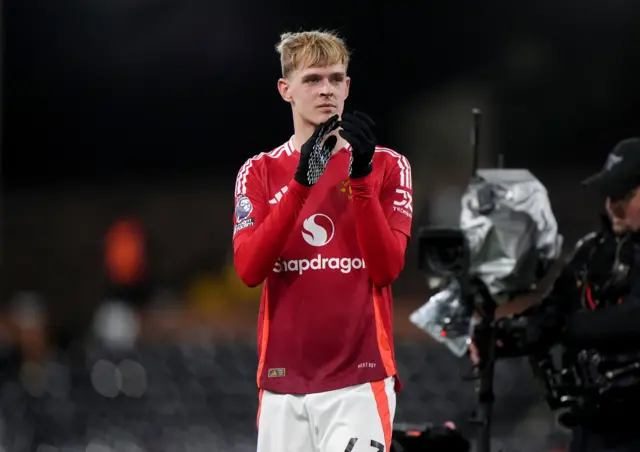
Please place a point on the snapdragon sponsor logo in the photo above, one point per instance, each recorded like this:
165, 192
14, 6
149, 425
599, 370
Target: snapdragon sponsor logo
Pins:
343, 264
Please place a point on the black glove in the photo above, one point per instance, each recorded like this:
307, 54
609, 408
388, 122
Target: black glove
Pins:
315, 153
357, 129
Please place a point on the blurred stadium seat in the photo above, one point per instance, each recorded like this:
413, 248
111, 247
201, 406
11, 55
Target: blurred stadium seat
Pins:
199, 396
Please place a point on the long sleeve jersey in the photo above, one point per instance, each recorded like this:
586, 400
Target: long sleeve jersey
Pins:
327, 256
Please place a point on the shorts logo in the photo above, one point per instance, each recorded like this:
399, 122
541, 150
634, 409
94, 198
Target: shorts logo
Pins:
243, 207
275, 373
318, 230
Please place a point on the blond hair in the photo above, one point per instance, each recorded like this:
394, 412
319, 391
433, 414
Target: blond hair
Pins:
307, 49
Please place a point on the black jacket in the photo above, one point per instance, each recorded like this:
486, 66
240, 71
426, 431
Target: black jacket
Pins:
600, 282
603, 271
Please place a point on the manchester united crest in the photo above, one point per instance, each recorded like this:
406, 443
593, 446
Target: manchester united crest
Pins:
345, 187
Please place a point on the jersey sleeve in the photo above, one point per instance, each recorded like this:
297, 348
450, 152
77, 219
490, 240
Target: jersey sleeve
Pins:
382, 230
251, 204
396, 194
260, 233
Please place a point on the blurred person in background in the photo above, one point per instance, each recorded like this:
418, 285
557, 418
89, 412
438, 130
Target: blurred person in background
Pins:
601, 284
117, 320
28, 325
323, 220
125, 256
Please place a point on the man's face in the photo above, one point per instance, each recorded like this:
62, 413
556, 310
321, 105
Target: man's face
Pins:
317, 93
625, 212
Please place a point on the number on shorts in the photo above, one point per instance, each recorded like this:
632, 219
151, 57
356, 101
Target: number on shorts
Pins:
375, 444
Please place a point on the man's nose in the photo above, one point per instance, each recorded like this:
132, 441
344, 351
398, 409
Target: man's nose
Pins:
326, 89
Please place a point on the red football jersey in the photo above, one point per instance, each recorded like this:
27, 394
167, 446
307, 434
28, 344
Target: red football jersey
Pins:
323, 323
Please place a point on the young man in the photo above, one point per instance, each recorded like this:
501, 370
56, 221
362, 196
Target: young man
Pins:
323, 220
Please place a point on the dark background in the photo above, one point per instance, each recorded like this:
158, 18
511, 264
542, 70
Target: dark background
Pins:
95, 90
149, 108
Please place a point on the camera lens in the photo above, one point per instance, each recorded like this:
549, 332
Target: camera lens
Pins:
449, 256
443, 252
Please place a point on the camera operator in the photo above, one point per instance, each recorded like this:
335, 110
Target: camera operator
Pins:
595, 296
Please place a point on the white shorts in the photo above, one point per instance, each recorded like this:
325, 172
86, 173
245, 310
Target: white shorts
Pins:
354, 419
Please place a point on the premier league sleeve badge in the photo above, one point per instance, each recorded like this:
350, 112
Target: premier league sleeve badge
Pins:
243, 208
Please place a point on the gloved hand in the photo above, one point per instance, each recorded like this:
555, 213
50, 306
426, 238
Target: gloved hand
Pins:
315, 153
357, 129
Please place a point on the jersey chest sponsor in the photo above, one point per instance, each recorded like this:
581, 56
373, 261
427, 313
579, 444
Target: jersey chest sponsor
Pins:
318, 230
342, 264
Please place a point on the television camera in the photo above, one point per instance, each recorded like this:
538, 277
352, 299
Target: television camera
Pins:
506, 241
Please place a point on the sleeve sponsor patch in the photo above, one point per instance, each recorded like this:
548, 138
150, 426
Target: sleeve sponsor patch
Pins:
405, 205
242, 224
243, 208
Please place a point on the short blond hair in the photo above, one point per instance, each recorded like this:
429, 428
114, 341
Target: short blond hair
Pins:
307, 49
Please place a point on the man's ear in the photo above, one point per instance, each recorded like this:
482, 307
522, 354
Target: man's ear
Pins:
283, 89
348, 83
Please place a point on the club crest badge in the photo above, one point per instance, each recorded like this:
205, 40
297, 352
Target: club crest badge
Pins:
243, 207
345, 187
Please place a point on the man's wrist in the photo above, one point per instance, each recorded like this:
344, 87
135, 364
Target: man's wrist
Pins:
362, 187
300, 190
361, 168
359, 175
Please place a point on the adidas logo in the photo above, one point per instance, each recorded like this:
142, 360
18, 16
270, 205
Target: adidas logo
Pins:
276, 199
